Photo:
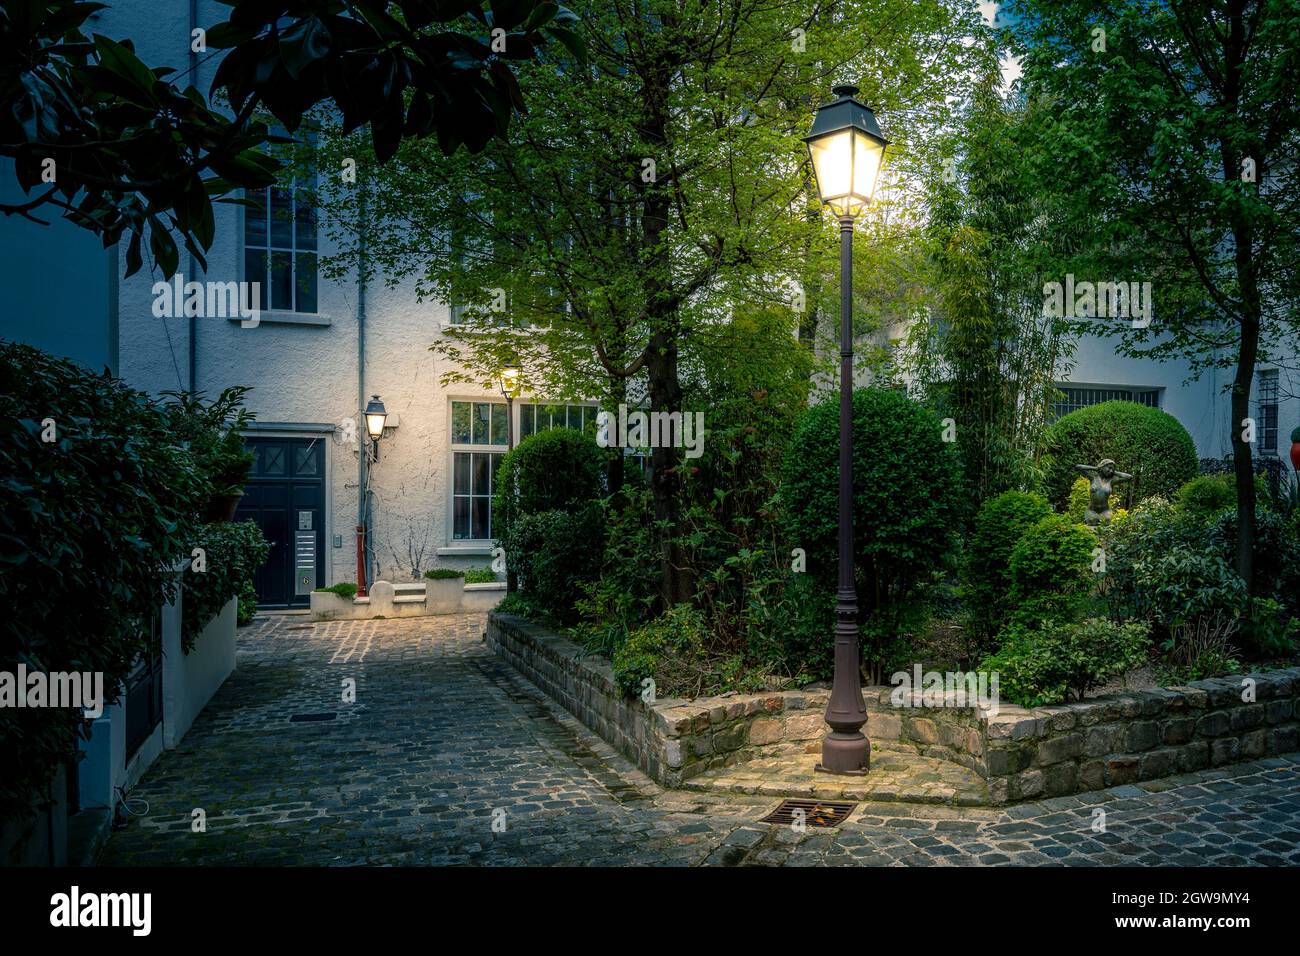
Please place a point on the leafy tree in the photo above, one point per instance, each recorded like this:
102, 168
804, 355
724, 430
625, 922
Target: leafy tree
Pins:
647, 197
119, 147
1171, 129
987, 356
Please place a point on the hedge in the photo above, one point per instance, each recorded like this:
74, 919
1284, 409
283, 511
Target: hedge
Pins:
906, 492
88, 521
1147, 443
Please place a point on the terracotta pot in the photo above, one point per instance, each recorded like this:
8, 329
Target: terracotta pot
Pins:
223, 507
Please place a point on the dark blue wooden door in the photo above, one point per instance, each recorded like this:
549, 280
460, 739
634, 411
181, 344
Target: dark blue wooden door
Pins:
285, 494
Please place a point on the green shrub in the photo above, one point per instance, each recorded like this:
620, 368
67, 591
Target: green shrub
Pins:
1046, 666
1206, 494
675, 652
483, 575
552, 476
344, 589
1277, 553
986, 573
443, 574
906, 493
232, 552
1182, 584
1051, 572
1145, 442
247, 604
213, 433
560, 554
559, 469
88, 522
1268, 629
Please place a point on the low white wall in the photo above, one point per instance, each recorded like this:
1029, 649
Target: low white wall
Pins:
190, 680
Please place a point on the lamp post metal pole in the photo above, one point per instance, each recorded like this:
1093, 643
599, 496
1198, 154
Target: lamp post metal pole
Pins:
846, 749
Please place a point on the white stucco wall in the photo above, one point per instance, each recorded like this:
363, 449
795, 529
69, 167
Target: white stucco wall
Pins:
307, 373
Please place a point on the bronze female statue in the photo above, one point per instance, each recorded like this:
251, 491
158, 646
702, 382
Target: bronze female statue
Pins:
1101, 477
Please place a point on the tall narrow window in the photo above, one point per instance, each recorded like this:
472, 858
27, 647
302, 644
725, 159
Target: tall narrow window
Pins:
478, 439
1268, 411
280, 245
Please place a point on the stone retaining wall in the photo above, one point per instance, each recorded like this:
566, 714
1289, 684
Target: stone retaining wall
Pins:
1023, 754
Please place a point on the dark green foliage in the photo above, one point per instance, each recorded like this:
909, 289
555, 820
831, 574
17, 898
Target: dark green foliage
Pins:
986, 572
1182, 584
232, 552
1046, 666
138, 153
88, 522
906, 485
676, 652
559, 552
443, 574
213, 432
1277, 553
1145, 442
1051, 572
557, 469
247, 604
1206, 495
546, 517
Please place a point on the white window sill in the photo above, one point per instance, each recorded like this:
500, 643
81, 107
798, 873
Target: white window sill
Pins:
487, 586
467, 551
286, 318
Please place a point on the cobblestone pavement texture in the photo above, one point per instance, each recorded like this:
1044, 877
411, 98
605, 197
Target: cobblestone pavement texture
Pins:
448, 756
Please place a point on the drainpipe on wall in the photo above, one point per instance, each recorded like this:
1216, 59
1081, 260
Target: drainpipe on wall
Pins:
194, 81
363, 494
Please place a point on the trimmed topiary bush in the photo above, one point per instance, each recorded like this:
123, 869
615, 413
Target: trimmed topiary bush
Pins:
986, 573
552, 475
1147, 443
556, 469
906, 494
1051, 572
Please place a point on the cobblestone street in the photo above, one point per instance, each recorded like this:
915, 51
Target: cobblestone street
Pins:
448, 757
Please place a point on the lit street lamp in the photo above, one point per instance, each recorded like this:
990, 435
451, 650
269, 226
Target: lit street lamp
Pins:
847, 151
510, 385
375, 415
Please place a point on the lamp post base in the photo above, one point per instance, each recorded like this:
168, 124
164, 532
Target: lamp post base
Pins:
845, 754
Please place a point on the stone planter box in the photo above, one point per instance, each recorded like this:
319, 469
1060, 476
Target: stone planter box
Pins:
1022, 754
412, 599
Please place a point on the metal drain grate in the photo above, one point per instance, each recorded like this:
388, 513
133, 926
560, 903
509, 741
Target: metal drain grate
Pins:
815, 813
306, 718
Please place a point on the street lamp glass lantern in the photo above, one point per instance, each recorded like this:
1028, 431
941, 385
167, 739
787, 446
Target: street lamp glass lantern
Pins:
510, 380
376, 415
847, 151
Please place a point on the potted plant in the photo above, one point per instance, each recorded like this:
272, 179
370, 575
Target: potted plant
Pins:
212, 432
